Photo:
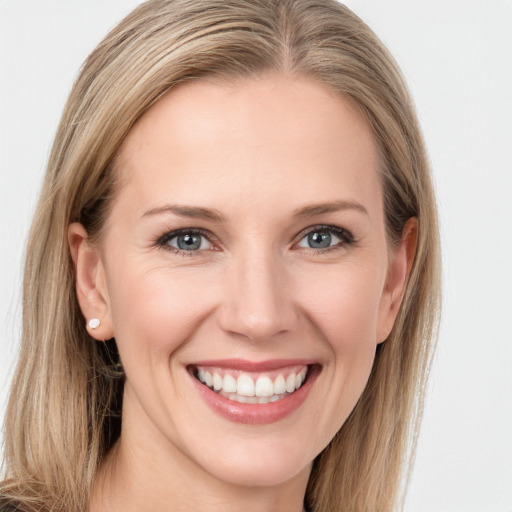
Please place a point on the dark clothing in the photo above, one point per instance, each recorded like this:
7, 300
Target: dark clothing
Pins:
8, 506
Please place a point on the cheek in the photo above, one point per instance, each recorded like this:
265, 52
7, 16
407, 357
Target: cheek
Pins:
344, 315
345, 308
155, 310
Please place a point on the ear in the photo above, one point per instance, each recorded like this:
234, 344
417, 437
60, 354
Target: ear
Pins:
400, 264
91, 286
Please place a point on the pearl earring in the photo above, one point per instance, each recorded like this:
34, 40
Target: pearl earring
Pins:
94, 323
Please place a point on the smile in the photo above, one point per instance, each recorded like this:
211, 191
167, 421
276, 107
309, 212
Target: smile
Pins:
254, 393
252, 387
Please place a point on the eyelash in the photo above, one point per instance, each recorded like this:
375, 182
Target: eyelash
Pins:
345, 236
163, 241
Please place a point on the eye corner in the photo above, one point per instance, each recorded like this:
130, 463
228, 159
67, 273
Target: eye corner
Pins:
327, 234
196, 241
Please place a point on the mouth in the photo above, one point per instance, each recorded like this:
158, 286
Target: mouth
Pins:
254, 393
252, 387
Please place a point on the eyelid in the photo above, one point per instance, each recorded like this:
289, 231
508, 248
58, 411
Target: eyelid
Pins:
163, 240
342, 233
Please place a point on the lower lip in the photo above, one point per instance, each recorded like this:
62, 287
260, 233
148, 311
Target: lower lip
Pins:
257, 414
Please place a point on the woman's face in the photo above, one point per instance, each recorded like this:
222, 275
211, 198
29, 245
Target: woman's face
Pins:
245, 252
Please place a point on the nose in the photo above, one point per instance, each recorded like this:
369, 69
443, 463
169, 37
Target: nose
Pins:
257, 299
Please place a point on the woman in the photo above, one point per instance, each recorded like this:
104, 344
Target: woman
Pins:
232, 278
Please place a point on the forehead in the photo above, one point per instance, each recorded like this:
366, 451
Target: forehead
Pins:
272, 136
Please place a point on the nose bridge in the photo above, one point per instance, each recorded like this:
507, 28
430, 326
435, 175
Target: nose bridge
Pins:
257, 303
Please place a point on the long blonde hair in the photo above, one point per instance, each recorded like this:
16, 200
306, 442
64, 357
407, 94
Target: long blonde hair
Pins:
65, 404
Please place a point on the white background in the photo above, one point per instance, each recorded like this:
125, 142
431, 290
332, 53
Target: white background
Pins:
457, 58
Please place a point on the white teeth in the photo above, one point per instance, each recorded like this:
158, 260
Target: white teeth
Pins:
244, 399
229, 384
279, 385
217, 382
245, 390
245, 386
264, 387
290, 383
252, 399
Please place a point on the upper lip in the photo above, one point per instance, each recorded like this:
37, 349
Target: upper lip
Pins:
253, 366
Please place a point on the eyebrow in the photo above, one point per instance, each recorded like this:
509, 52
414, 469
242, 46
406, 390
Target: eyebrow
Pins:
194, 212
334, 206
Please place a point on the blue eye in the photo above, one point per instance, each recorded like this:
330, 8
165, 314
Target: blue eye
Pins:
185, 241
325, 237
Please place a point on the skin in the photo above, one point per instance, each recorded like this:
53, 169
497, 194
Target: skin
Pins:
255, 152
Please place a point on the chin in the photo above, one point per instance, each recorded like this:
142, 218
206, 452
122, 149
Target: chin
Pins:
268, 471
266, 459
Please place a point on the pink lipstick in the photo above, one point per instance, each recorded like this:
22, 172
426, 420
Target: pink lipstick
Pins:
254, 392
